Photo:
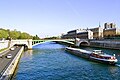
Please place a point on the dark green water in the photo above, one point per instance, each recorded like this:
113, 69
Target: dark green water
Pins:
50, 61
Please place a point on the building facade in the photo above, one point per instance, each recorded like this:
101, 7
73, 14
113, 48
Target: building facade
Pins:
78, 33
87, 34
110, 30
109, 25
70, 35
97, 32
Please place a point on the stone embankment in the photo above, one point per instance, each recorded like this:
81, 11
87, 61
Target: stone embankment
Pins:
110, 44
4, 44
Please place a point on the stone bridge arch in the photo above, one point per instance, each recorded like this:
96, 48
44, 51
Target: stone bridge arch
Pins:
82, 42
26, 42
29, 43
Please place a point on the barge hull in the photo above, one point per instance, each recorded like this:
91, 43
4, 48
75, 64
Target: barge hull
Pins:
105, 62
78, 53
88, 56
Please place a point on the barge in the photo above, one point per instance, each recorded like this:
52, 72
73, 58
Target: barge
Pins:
95, 55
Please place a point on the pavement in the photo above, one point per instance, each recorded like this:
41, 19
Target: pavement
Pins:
4, 61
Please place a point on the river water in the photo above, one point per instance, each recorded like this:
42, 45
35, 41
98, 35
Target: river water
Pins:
50, 61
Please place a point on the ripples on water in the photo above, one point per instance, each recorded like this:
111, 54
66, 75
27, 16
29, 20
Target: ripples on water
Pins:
50, 61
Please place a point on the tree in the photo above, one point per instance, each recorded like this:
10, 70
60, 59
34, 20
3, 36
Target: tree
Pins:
3, 33
25, 36
14, 34
36, 37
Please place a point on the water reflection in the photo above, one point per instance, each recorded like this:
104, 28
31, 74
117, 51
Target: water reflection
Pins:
113, 69
28, 54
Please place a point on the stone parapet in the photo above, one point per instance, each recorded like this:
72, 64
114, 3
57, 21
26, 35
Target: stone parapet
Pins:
105, 44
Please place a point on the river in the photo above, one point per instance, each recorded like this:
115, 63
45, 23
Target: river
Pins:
50, 61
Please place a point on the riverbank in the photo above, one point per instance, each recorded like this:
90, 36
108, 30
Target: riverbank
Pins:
108, 44
103, 43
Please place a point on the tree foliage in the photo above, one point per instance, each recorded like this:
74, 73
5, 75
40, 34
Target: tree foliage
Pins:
3, 33
14, 34
54, 37
25, 35
36, 37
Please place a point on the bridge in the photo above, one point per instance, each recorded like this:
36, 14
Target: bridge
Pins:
69, 41
82, 42
29, 43
79, 42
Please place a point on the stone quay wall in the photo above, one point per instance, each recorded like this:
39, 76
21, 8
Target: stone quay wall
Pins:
110, 44
4, 44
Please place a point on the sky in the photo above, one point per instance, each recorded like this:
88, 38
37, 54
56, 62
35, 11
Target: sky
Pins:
53, 17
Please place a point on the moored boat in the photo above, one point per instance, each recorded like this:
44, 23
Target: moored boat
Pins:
95, 55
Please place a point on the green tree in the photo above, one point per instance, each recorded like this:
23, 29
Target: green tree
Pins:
3, 33
25, 36
36, 37
14, 34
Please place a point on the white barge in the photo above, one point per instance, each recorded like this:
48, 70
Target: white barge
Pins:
95, 55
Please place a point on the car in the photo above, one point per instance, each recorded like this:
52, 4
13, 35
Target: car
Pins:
9, 56
12, 49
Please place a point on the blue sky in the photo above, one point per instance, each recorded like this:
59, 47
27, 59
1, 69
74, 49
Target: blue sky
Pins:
54, 17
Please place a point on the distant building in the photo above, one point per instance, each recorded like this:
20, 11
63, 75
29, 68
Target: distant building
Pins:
69, 35
109, 25
97, 32
87, 34
78, 33
110, 30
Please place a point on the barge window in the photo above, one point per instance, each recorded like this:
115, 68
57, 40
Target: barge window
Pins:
107, 57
